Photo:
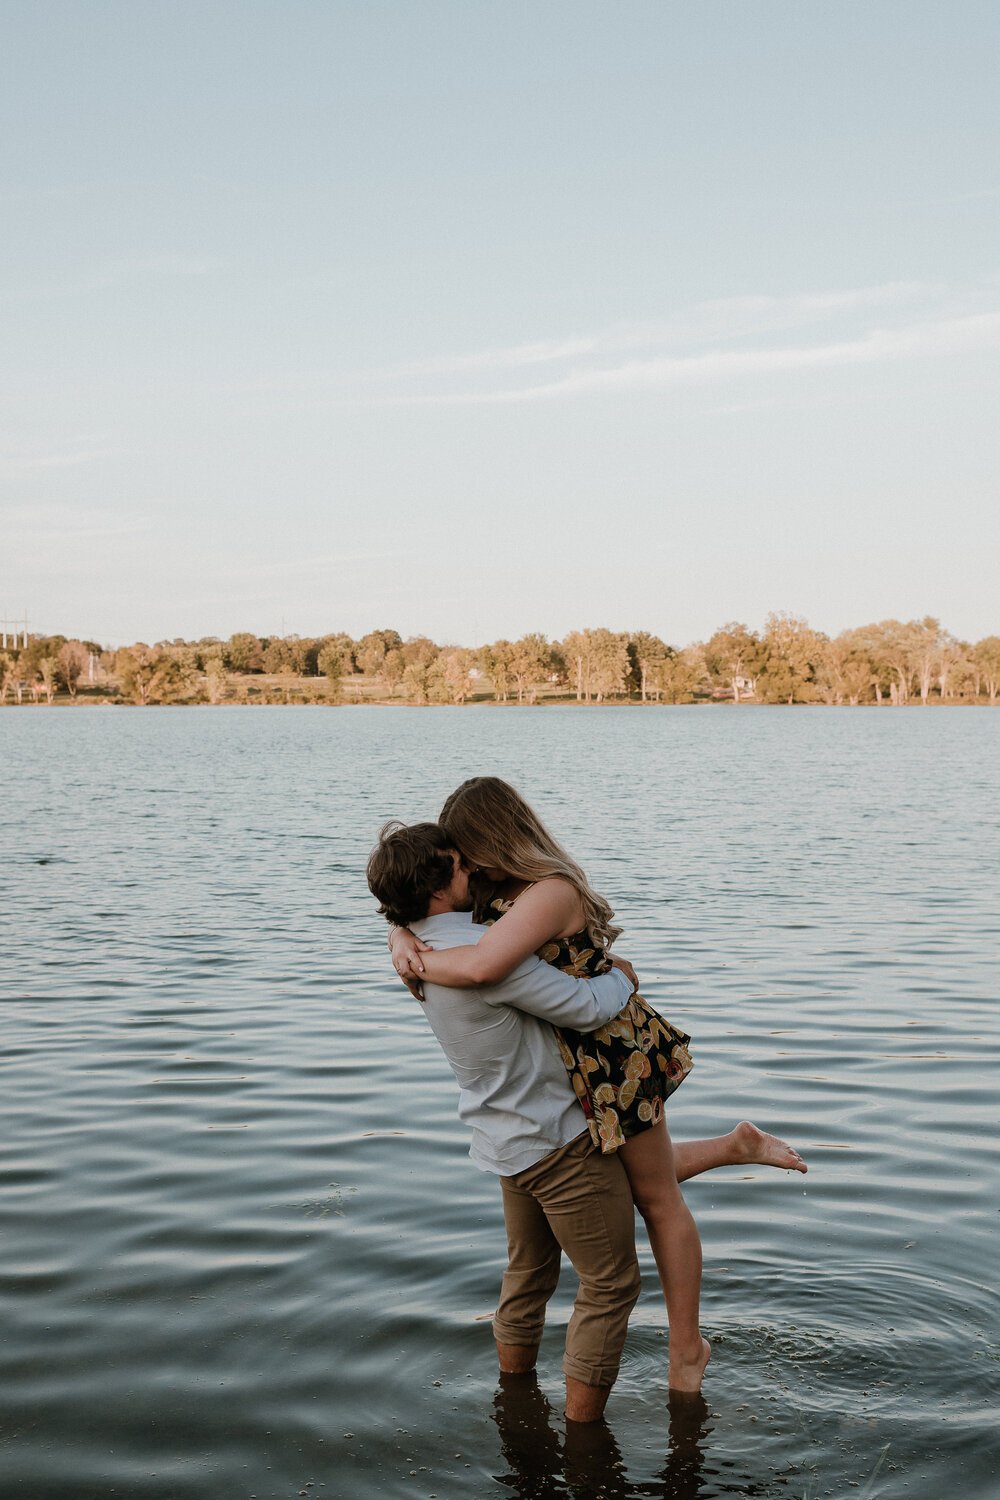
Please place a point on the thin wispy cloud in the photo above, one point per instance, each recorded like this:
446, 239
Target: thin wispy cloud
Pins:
949, 336
298, 567
54, 192
979, 195
753, 314
166, 265
119, 273
73, 459
30, 527
724, 318
730, 339
519, 357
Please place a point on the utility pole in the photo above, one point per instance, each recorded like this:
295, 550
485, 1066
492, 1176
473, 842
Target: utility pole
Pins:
14, 628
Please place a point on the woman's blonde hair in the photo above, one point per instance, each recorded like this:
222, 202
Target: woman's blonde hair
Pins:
490, 824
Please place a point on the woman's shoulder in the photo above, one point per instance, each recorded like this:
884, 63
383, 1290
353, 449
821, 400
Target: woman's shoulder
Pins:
555, 903
553, 894
553, 886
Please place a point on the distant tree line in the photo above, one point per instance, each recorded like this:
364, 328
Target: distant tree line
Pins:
788, 662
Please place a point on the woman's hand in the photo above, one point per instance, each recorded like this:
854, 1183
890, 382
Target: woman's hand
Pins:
406, 950
626, 968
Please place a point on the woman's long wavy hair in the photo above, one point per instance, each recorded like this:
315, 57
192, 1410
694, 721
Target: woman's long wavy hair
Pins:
490, 824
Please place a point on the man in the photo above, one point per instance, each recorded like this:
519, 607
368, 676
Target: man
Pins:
527, 1125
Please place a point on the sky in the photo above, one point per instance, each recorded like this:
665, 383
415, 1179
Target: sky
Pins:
469, 318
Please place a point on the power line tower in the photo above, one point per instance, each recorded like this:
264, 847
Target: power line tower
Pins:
13, 629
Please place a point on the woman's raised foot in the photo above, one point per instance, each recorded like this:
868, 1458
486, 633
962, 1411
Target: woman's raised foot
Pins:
753, 1145
686, 1373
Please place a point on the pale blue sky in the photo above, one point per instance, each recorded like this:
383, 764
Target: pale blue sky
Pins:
475, 318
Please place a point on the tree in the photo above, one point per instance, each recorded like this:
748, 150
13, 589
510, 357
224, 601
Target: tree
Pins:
134, 671
147, 675
986, 655
416, 681
497, 662
373, 648
868, 643
310, 651
557, 664
47, 669
733, 656
295, 654
331, 664
680, 676
281, 656
71, 662
419, 648
845, 670
924, 645
904, 654
598, 663
10, 676
609, 663
529, 662
791, 651
448, 679
344, 645
216, 679
418, 654
647, 653
37, 649
575, 649
393, 669
243, 653
954, 667
893, 653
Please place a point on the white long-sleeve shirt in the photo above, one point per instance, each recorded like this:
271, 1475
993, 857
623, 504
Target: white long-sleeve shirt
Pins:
515, 1095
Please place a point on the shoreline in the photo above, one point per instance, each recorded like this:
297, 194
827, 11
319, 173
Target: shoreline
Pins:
94, 701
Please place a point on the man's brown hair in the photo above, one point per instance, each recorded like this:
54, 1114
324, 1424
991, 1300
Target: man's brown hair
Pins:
406, 867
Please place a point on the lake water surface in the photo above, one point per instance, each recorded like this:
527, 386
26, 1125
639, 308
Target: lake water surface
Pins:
243, 1252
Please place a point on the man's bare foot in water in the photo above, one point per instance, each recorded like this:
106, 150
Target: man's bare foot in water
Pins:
685, 1375
752, 1145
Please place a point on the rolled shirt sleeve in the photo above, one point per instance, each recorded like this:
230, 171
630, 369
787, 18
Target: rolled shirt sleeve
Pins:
546, 992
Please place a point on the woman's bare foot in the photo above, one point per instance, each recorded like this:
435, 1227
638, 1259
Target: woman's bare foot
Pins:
751, 1144
685, 1375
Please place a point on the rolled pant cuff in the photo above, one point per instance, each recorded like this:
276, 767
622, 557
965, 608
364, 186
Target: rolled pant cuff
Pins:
517, 1335
600, 1375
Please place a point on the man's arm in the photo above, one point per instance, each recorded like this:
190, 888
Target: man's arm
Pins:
544, 991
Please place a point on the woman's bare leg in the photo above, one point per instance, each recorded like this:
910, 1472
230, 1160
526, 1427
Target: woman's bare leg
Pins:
673, 1237
745, 1145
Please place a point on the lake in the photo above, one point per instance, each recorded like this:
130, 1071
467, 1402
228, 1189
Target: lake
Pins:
243, 1250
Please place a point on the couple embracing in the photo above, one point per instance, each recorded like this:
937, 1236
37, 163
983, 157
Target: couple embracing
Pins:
563, 1070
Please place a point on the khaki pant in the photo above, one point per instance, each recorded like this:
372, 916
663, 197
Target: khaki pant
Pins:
576, 1200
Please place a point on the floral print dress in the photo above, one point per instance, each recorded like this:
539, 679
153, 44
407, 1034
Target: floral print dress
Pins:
623, 1072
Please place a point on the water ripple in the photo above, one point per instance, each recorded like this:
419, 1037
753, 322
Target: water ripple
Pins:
243, 1251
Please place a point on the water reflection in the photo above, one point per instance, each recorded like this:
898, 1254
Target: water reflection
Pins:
550, 1459
683, 1473
583, 1460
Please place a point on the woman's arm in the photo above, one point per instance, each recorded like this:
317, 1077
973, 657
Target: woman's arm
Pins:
544, 911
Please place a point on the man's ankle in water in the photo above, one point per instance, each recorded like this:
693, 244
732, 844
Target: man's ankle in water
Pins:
585, 1403
516, 1359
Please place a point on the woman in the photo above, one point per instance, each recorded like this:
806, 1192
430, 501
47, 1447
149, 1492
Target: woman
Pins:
537, 899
